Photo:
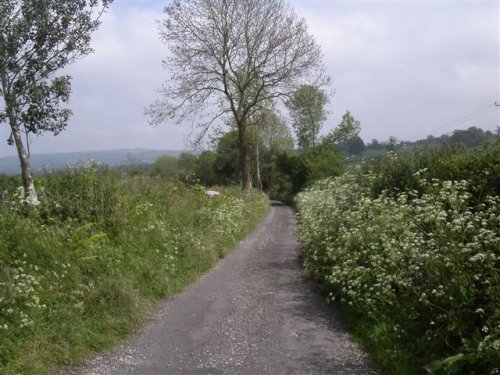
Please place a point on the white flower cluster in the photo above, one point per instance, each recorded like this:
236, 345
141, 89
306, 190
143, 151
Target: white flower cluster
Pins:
430, 257
20, 294
28, 288
224, 215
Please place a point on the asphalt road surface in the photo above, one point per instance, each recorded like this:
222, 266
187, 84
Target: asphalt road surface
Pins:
254, 313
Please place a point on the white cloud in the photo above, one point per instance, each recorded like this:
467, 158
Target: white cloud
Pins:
402, 68
112, 86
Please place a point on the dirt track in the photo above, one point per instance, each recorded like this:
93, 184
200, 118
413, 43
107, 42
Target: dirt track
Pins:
254, 313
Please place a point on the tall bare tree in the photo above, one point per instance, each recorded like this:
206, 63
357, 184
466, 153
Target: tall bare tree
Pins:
230, 58
38, 38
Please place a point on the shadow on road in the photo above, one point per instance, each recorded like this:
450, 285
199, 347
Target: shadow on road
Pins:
277, 204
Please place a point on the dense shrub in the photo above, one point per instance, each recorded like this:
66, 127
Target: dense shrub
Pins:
397, 173
416, 258
78, 271
290, 171
8, 183
82, 194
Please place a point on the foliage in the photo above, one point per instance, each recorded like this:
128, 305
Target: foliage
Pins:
322, 161
79, 271
80, 194
38, 38
307, 108
267, 136
284, 172
7, 183
289, 171
392, 144
284, 176
356, 146
236, 55
471, 137
227, 159
274, 132
187, 163
204, 171
348, 129
397, 173
166, 167
412, 254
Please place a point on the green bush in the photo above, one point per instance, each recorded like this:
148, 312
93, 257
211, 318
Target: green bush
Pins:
8, 184
397, 173
290, 171
284, 176
80, 270
415, 259
81, 194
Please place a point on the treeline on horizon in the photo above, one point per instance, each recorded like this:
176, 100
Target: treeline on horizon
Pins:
285, 170
471, 137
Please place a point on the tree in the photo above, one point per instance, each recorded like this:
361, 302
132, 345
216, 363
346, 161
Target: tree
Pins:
348, 129
391, 144
38, 38
356, 146
322, 161
267, 135
430, 139
307, 108
166, 167
227, 159
375, 145
204, 168
231, 58
275, 134
270, 134
292, 170
187, 161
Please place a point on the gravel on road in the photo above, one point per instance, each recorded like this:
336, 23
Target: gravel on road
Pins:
254, 313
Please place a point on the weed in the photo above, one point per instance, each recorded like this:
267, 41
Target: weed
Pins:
415, 263
80, 271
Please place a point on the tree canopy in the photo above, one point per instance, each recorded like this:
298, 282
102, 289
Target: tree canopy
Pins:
307, 108
348, 129
38, 38
231, 58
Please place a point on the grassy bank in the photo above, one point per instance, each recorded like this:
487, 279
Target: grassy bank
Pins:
410, 248
81, 270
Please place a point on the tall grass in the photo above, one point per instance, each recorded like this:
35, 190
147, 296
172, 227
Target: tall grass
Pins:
410, 247
82, 269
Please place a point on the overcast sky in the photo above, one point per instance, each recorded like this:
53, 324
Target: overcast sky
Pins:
403, 68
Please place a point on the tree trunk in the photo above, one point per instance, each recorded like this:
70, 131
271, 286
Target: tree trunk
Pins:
24, 158
257, 157
246, 179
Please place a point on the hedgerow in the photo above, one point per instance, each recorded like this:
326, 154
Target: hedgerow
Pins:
415, 262
80, 271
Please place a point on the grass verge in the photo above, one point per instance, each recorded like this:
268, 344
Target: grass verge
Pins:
81, 271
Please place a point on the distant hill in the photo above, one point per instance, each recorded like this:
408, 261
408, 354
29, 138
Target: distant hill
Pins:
112, 158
